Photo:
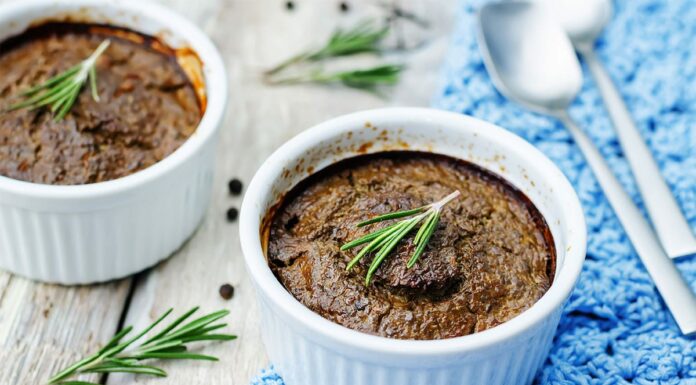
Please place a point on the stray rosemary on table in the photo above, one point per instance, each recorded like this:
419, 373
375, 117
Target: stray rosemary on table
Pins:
363, 38
170, 343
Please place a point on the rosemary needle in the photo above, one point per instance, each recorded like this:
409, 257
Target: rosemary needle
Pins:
61, 91
385, 240
368, 79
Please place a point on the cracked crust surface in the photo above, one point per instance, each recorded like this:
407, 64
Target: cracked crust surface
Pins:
148, 109
490, 258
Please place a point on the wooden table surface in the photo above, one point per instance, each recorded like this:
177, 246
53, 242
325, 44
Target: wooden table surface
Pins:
44, 327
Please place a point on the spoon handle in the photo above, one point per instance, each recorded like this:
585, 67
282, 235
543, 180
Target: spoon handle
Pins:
676, 293
672, 228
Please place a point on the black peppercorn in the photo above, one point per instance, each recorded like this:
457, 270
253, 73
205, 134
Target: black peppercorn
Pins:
289, 5
227, 291
232, 214
235, 186
344, 7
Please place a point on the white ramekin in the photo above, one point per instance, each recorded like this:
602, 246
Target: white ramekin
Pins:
107, 230
307, 349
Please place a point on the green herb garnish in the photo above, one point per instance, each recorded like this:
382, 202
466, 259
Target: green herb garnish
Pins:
384, 240
61, 91
363, 38
366, 79
169, 343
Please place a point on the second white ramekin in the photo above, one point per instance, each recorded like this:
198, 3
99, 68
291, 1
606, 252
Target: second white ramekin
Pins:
307, 349
102, 231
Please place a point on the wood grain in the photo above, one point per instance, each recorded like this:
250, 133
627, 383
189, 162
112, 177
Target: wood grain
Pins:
252, 35
43, 328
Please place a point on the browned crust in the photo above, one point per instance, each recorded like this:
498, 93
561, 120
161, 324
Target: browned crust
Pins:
186, 59
540, 221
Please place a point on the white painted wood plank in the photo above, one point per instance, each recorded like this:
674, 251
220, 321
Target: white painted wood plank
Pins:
44, 328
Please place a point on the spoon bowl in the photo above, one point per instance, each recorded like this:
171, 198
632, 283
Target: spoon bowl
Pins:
538, 68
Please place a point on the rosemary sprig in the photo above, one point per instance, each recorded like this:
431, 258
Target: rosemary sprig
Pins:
169, 343
365, 79
362, 38
384, 240
61, 91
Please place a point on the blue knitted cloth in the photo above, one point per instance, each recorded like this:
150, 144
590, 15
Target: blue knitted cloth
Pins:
615, 328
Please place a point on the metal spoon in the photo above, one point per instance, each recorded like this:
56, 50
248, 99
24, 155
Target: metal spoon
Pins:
584, 20
532, 61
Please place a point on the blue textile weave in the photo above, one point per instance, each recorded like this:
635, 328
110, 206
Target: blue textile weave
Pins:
615, 328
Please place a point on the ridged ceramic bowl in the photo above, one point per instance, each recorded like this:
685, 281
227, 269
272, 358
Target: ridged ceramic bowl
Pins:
107, 230
307, 349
